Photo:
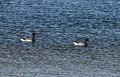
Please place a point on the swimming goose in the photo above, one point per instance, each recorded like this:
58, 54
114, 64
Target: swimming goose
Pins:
81, 43
29, 39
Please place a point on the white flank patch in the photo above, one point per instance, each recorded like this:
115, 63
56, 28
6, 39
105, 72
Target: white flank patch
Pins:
78, 44
26, 40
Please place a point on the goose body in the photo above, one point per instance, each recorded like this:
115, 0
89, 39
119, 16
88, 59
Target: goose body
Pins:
26, 39
78, 43
81, 43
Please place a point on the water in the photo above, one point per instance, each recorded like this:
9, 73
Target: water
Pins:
58, 24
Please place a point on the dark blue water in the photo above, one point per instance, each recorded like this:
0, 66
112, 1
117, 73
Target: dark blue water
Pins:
57, 24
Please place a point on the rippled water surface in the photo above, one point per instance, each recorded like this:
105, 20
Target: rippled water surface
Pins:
57, 24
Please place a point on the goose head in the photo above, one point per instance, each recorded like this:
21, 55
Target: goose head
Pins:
33, 34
